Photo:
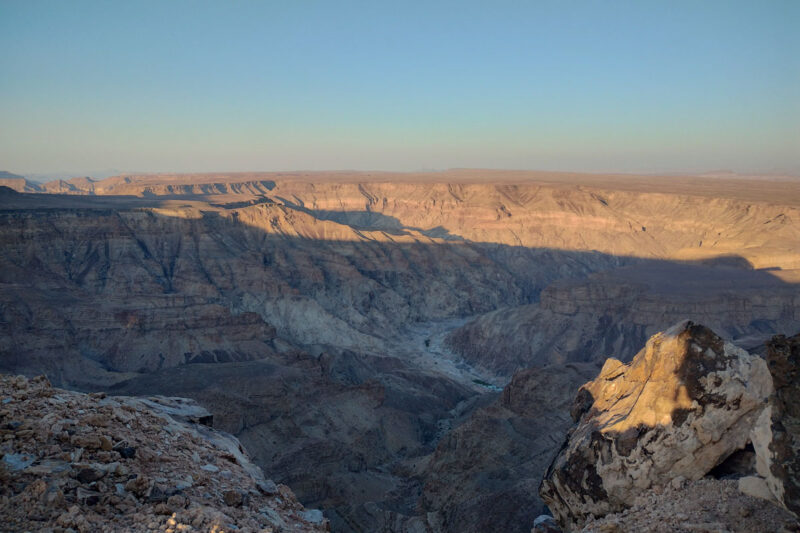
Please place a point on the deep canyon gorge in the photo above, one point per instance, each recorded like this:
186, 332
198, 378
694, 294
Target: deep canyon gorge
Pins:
402, 350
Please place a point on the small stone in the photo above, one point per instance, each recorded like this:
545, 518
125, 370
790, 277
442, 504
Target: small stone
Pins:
210, 468
157, 494
88, 475
105, 443
184, 484
88, 497
53, 497
91, 442
17, 461
95, 420
233, 498
176, 501
138, 485
268, 487
163, 508
544, 524
126, 452
314, 516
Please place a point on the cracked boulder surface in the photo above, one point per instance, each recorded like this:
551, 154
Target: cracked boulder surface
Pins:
776, 437
77, 462
683, 405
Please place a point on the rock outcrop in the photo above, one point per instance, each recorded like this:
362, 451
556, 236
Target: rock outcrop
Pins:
76, 462
682, 406
776, 437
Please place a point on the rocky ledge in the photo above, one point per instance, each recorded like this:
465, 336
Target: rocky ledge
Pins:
77, 462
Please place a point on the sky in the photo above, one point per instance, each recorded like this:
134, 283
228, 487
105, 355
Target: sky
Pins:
175, 86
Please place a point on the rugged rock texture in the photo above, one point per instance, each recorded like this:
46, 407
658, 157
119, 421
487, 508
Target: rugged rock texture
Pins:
704, 505
776, 437
615, 312
342, 429
94, 463
683, 405
78, 285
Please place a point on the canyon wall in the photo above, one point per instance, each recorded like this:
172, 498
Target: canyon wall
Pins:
354, 331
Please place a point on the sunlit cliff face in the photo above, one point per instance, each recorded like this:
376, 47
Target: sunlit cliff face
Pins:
671, 218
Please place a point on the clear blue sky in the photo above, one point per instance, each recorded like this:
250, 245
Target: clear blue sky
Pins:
295, 84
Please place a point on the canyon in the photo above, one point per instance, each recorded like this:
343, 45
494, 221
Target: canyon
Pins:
401, 350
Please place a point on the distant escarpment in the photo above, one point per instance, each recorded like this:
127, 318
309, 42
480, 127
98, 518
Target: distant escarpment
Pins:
686, 407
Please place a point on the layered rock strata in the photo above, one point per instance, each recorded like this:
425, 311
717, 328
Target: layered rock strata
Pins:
614, 313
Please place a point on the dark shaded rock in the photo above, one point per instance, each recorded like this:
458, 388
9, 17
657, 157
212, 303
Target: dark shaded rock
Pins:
138, 485
545, 524
739, 464
484, 474
89, 475
157, 494
776, 437
233, 498
87, 497
163, 508
126, 452
267, 487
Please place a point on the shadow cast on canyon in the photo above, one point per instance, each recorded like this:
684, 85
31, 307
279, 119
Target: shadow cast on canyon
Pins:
302, 332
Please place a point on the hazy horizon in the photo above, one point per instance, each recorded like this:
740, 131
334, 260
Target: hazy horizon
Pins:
94, 88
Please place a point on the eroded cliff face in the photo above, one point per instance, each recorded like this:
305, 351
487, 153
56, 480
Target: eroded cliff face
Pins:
135, 291
308, 315
614, 313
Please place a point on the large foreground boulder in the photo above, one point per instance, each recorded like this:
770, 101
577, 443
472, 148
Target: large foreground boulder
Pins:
683, 405
776, 437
